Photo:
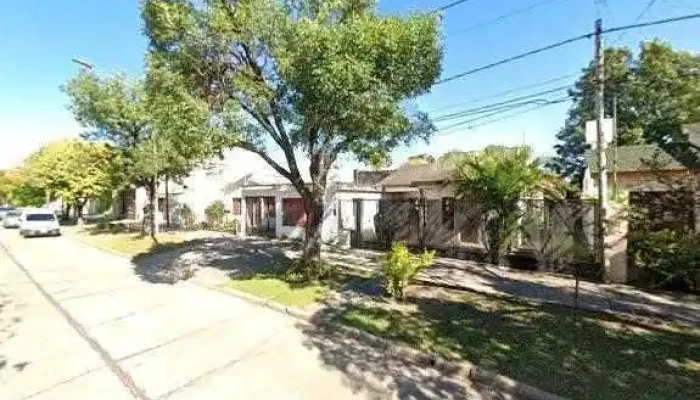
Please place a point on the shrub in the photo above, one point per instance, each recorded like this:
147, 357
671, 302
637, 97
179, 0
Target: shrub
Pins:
215, 213
400, 266
669, 259
231, 225
187, 218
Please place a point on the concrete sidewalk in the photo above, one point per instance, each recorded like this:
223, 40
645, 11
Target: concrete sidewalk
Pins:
101, 332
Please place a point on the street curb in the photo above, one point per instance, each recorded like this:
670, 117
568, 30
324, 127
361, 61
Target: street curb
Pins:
462, 369
291, 311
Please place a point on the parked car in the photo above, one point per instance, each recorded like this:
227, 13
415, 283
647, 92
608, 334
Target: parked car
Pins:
4, 210
39, 222
12, 219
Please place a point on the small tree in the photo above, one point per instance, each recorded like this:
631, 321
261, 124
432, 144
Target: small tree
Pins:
187, 217
73, 170
155, 127
495, 180
215, 214
18, 189
400, 266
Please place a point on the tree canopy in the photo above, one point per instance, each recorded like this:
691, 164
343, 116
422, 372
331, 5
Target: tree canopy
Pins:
311, 77
17, 188
657, 93
73, 170
154, 126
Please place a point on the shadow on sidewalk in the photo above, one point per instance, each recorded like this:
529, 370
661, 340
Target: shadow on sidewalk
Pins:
550, 347
237, 258
368, 366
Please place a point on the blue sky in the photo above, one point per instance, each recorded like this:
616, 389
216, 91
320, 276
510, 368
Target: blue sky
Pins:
39, 37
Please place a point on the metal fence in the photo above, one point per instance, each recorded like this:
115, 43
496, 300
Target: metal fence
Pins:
550, 235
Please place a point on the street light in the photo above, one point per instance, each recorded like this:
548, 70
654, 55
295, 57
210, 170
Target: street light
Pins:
83, 63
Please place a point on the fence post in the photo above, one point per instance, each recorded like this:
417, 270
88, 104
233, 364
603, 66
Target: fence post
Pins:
422, 211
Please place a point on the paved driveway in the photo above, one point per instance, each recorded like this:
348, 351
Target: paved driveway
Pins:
77, 323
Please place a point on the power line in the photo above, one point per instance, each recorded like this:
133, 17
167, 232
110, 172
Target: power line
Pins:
496, 105
450, 5
503, 17
652, 23
565, 42
493, 111
505, 92
537, 107
514, 58
646, 9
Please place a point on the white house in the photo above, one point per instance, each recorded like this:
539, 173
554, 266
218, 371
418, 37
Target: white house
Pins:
261, 200
276, 209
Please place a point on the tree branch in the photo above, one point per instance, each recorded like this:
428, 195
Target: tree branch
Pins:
294, 178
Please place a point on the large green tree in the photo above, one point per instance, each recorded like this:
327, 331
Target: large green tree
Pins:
17, 188
156, 129
73, 170
314, 79
656, 94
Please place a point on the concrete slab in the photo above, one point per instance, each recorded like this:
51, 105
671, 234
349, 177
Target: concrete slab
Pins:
30, 377
185, 361
101, 384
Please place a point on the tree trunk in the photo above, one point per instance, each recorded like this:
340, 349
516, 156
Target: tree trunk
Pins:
152, 209
167, 203
311, 254
79, 211
66, 211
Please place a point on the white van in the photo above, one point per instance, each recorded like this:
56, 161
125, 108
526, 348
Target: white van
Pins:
39, 222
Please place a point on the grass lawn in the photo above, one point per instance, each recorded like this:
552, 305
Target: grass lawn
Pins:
132, 244
273, 284
279, 290
582, 355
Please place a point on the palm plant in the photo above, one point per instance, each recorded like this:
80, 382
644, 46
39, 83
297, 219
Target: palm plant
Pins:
496, 180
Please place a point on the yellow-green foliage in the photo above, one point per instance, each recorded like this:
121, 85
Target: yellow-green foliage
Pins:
401, 266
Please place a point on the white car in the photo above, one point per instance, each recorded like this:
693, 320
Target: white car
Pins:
4, 210
12, 219
39, 223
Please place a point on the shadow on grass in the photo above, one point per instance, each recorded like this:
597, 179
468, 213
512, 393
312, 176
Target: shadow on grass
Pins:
239, 259
584, 355
369, 366
661, 307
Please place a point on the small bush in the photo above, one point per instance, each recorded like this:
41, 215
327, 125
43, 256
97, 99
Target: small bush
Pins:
187, 218
668, 259
215, 213
231, 225
400, 266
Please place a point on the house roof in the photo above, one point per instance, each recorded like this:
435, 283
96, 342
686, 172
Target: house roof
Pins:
643, 157
370, 178
409, 175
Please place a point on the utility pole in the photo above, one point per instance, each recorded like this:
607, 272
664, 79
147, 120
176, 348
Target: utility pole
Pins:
600, 141
614, 142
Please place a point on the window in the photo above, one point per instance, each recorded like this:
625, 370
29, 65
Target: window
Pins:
236, 206
41, 217
294, 212
469, 224
469, 234
448, 212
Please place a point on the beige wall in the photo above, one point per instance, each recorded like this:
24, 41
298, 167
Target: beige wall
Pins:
637, 180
